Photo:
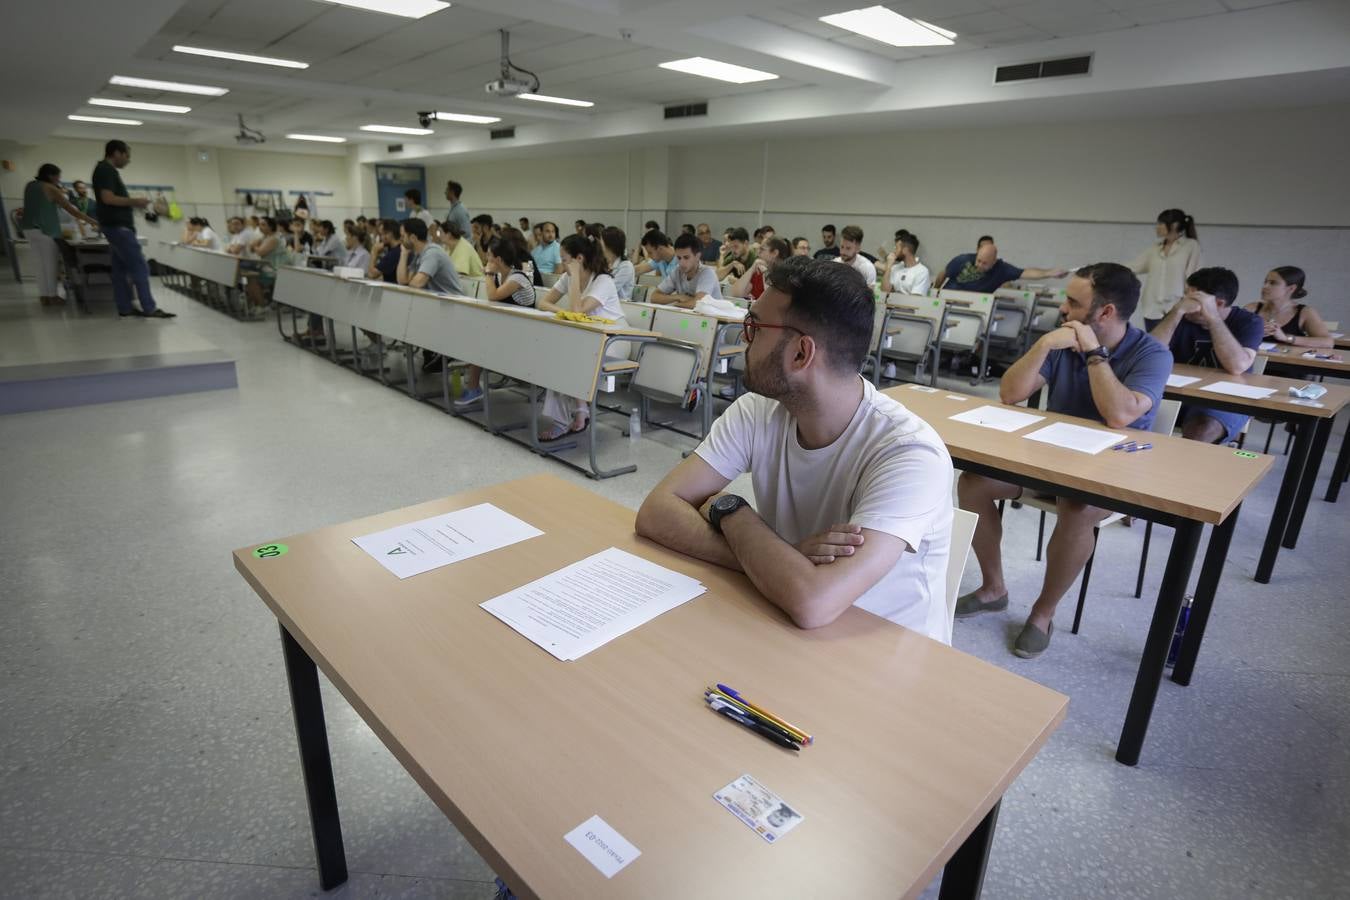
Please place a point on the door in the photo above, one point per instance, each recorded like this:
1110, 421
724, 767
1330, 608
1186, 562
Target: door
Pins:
392, 182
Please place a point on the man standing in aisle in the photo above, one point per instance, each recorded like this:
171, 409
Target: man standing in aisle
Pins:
415, 208
114, 207
458, 214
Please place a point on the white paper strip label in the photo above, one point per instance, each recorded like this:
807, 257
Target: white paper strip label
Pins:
602, 846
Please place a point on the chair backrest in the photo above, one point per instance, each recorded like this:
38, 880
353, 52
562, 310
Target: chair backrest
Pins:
472, 287
667, 369
550, 279
968, 317
1259, 365
1044, 315
1331, 326
650, 279
963, 531
1166, 419
640, 292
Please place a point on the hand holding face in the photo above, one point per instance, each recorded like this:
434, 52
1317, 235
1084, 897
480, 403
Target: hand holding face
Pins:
1087, 340
1062, 338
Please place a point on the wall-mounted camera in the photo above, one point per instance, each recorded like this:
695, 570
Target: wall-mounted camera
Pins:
425, 119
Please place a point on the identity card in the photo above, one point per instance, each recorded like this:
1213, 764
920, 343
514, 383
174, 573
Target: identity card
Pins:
760, 808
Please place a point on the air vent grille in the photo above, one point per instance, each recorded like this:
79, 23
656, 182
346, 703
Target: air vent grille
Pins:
1047, 68
393, 148
685, 110
501, 134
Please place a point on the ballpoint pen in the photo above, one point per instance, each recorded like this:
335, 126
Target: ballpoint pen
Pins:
717, 700
1138, 447
756, 727
1125, 446
806, 738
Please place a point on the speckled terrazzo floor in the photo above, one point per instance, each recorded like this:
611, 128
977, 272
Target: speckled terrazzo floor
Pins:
147, 748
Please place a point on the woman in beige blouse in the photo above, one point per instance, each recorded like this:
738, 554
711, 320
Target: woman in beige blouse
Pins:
1167, 264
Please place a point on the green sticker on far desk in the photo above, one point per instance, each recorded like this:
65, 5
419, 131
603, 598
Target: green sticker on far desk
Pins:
267, 551
1245, 454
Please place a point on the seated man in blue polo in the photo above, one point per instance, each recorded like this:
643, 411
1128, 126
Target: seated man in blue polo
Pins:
983, 272
1095, 366
1206, 329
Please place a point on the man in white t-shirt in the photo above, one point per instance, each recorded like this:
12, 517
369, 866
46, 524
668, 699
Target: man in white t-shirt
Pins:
850, 245
853, 491
241, 237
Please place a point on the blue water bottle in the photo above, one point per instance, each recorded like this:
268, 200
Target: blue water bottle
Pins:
1182, 620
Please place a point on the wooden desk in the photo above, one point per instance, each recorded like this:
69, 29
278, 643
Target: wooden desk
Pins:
1312, 424
1342, 342
525, 344
1160, 485
915, 742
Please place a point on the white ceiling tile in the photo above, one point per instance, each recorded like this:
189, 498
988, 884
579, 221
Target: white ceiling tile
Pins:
1173, 10
1251, 4
977, 23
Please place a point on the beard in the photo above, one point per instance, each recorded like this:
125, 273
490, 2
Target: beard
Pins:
769, 377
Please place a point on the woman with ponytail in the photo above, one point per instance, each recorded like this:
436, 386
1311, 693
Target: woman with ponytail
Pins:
1287, 321
1167, 263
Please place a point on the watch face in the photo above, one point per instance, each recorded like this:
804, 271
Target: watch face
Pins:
726, 504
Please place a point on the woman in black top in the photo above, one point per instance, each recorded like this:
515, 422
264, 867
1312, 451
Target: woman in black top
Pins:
1288, 322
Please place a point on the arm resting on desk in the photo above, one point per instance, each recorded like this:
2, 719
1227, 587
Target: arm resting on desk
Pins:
1023, 377
683, 301
670, 514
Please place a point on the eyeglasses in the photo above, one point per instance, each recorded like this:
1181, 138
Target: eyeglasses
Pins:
751, 325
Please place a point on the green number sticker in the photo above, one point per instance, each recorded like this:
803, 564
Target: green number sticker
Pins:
1245, 454
684, 323
703, 324
267, 551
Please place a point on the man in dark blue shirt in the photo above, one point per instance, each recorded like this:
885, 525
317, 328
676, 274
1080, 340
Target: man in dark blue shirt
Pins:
983, 272
1206, 329
1097, 366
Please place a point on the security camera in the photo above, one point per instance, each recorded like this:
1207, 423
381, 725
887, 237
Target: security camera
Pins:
425, 119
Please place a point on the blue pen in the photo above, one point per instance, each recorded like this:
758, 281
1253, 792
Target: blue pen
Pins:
1139, 447
1125, 446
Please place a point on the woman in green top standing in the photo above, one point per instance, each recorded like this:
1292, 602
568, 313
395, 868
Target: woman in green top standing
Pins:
42, 226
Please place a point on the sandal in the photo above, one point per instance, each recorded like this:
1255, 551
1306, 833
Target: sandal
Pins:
554, 433
575, 429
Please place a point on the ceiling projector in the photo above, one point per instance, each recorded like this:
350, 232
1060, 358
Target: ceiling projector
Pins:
511, 84
509, 87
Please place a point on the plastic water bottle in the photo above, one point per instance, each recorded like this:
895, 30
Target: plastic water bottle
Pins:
1182, 621
635, 425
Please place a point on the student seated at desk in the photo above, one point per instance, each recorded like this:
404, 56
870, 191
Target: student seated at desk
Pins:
1095, 366
461, 252
384, 260
984, 272
904, 273
270, 251
200, 234
613, 242
424, 265
506, 281
751, 284
658, 255
690, 281
739, 255
358, 253
585, 287
546, 253
327, 245
298, 240
852, 490
1287, 322
1205, 329
240, 236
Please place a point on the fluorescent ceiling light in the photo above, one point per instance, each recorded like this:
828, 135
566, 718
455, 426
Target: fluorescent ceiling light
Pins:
241, 57
321, 138
465, 117
136, 104
561, 101
104, 120
410, 9
172, 86
889, 27
711, 68
396, 129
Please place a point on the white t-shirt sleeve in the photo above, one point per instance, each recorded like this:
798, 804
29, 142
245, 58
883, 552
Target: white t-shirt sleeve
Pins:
923, 280
667, 285
708, 284
902, 493
729, 446
602, 290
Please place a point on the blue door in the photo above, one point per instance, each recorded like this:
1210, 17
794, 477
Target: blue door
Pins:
392, 182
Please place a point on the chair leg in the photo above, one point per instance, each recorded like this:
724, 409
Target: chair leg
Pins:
1288, 441
1083, 586
1269, 435
1040, 536
1000, 509
1143, 561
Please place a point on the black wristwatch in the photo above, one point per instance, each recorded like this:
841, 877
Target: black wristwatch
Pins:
722, 507
1099, 351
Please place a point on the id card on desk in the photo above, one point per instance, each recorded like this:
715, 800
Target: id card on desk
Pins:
758, 807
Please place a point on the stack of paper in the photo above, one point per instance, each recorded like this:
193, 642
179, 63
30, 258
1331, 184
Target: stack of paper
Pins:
418, 547
1076, 437
1233, 389
1180, 380
585, 605
996, 417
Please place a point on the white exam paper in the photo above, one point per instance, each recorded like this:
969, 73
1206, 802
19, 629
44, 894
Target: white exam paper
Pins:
602, 846
1180, 380
418, 547
1076, 437
1267, 345
587, 604
1234, 389
996, 417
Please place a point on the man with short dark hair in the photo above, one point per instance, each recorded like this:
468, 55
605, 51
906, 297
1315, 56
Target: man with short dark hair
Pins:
711, 251
850, 254
983, 272
580, 225
425, 265
113, 211
1095, 366
852, 491
659, 253
546, 254
690, 280
1206, 329
415, 208
458, 213
739, 255
828, 248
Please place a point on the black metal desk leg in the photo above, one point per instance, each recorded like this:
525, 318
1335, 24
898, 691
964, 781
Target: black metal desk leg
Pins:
1341, 470
1211, 570
1284, 503
963, 876
1305, 487
1159, 641
315, 764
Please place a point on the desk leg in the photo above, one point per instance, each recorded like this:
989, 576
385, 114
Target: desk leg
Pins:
963, 876
1211, 570
317, 767
1284, 504
1305, 487
1159, 641
1341, 470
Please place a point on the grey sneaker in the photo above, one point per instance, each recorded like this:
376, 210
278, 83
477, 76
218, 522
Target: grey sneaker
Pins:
1032, 642
970, 605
